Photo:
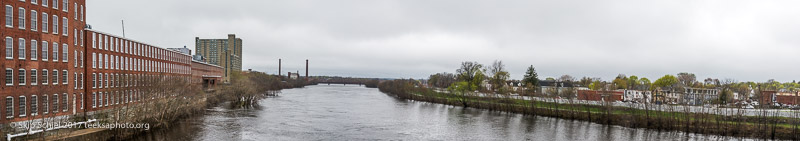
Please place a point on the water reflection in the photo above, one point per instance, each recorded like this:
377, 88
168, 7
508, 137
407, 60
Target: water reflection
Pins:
357, 113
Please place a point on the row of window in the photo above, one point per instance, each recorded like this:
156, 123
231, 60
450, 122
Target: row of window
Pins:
65, 7
22, 50
45, 77
36, 78
114, 80
120, 45
34, 21
113, 62
59, 104
55, 4
114, 98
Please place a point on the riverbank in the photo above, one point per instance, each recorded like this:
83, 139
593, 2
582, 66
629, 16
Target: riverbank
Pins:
166, 102
766, 126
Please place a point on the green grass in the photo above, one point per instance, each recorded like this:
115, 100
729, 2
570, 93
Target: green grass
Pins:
596, 109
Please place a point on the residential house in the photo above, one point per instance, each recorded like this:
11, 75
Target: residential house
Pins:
637, 96
666, 96
550, 87
699, 96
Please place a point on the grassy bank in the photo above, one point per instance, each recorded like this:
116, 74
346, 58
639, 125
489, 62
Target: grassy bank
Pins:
766, 125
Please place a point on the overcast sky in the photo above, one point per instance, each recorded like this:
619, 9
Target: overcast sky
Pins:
743, 40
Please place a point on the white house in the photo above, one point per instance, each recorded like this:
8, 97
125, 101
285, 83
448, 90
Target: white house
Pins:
637, 95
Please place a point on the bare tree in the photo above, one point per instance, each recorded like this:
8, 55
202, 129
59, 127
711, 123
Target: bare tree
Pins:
499, 75
687, 79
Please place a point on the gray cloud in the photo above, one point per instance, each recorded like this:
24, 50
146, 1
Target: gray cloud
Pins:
744, 40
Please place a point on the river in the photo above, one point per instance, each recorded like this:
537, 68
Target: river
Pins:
336, 112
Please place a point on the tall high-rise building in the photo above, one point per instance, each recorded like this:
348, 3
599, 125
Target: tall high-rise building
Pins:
226, 53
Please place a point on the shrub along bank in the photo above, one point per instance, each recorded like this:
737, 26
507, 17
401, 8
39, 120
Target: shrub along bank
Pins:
766, 125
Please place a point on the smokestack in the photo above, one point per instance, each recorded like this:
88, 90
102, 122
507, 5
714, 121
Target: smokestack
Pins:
279, 67
306, 69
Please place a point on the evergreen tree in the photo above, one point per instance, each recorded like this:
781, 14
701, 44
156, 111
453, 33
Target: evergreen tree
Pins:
531, 78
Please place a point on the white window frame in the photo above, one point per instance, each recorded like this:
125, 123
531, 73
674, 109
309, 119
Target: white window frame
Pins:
22, 106
21, 17
45, 77
45, 22
9, 16
54, 76
45, 51
75, 80
11, 107
22, 77
65, 26
82, 102
65, 53
94, 60
94, 99
45, 104
21, 48
34, 50
75, 13
100, 80
9, 77
64, 77
9, 48
55, 103
55, 24
94, 40
34, 105
34, 20
55, 52
65, 6
34, 74
65, 102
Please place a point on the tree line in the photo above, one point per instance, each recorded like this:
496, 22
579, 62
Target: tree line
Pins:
479, 86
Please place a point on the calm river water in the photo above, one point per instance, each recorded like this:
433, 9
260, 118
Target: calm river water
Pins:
336, 112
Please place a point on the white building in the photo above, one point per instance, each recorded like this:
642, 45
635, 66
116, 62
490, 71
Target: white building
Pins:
699, 96
637, 95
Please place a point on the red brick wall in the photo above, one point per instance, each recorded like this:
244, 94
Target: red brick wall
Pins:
28, 64
766, 98
597, 95
200, 69
788, 99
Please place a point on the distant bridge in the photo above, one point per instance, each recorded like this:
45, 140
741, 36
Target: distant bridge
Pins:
340, 81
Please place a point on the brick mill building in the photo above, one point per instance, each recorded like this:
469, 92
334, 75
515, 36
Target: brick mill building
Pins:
56, 67
208, 75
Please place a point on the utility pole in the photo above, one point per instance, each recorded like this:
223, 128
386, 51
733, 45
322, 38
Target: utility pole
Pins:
123, 28
306, 69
